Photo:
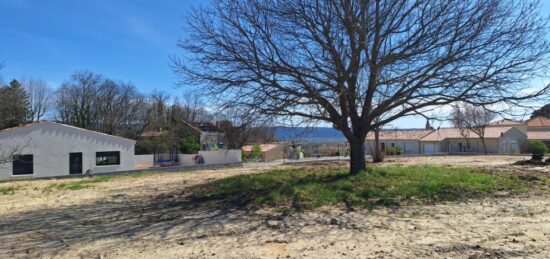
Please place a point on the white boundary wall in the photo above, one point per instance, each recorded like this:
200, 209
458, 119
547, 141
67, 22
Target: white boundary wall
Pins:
210, 157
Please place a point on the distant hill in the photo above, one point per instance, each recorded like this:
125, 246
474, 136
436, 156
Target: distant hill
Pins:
313, 134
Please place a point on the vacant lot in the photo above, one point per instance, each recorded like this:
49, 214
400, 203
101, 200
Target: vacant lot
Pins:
168, 216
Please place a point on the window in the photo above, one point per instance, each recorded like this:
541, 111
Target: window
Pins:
392, 144
22, 165
383, 146
107, 158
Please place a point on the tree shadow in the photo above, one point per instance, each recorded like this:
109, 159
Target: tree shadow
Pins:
50, 230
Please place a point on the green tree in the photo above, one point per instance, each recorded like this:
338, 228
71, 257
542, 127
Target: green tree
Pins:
537, 148
256, 152
189, 144
14, 105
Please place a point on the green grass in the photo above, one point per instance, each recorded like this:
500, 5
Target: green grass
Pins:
7, 190
90, 182
78, 185
303, 189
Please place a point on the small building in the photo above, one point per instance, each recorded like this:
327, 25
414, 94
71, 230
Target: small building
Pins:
48, 149
269, 152
407, 140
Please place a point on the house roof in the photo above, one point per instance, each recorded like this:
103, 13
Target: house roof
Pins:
538, 122
152, 134
263, 147
538, 135
400, 134
446, 133
504, 122
64, 125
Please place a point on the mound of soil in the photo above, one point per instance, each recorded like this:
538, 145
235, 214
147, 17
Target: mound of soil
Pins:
532, 162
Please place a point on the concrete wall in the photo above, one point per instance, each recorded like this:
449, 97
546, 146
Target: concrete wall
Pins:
51, 143
210, 157
144, 161
186, 159
222, 156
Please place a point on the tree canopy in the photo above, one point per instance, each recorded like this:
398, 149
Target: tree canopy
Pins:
359, 64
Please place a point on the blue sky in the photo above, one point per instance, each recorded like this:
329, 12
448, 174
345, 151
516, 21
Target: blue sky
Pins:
130, 40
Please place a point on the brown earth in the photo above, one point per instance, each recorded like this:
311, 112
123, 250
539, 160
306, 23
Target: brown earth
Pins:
149, 217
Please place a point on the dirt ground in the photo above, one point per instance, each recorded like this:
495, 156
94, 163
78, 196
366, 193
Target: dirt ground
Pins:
150, 217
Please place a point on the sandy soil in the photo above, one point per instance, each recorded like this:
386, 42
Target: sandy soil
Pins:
149, 217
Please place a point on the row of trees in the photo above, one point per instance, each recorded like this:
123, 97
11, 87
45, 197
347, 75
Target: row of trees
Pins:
92, 101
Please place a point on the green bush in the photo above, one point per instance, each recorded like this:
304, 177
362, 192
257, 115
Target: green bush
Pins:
189, 144
256, 152
537, 149
393, 151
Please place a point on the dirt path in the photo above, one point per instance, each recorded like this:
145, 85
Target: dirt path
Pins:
148, 217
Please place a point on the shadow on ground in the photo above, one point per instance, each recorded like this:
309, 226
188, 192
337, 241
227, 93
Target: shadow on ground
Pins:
48, 231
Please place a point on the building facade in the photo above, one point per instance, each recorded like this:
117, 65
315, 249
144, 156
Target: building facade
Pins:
48, 149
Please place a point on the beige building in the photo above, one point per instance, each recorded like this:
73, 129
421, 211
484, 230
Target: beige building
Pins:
407, 140
269, 152
498, 140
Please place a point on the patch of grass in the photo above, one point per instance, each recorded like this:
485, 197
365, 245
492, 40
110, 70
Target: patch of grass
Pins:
303, 189
78, 185
8, 190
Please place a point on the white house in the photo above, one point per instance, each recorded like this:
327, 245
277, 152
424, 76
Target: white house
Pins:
47, 149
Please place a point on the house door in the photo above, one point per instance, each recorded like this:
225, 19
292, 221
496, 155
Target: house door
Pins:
75, 163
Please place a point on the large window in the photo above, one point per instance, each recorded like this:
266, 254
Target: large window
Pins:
22, 165
107, 158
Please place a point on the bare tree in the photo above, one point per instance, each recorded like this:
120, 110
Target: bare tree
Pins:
460, 121
474, 119
40, 98
244, 127
90, 101
362, 64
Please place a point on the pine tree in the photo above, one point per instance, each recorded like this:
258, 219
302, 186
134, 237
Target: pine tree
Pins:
14, 105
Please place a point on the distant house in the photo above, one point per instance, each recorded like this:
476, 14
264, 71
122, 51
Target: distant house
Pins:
498, 140
407, 140
210, 136
269, 152
47, 149
538, 128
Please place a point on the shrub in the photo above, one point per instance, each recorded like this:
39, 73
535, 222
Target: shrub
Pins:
256, 152
537, 149
189, 144
393, 151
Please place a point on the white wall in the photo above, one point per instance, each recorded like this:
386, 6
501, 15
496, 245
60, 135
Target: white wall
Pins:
222, 156
51, 143
144, 161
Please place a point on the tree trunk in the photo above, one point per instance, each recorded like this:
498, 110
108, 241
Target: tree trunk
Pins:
484, 146
377, 157
357, 156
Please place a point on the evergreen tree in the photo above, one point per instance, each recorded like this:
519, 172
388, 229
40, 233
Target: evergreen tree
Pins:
544, 111
14, 105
